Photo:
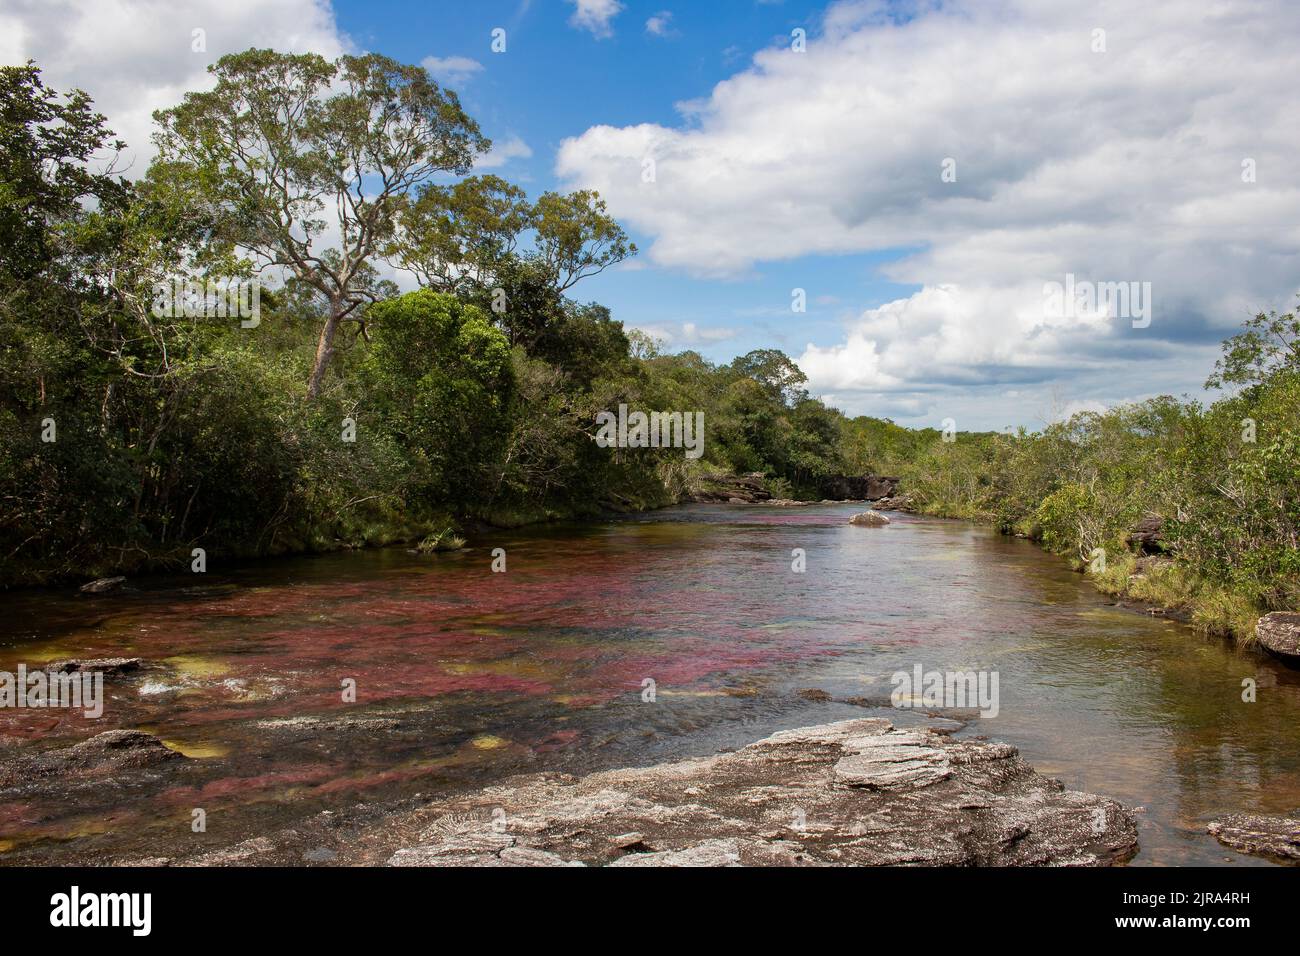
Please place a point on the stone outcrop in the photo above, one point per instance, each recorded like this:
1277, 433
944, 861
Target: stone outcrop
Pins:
901, 502
857, 792
1279, 633
1146, 537
858, 487
1276, 837
869, 519
733, 488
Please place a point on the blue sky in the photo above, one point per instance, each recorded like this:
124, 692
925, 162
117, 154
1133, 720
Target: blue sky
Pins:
1107, 142
555, 80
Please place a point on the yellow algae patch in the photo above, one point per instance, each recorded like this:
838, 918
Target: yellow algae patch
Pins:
7, 845
189, 748
88, 828
192, 665
489, 742
198, 749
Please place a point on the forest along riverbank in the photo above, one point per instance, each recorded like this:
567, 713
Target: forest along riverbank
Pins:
465, 678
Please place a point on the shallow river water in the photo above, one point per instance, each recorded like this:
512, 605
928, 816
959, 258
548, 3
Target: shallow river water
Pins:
464, 676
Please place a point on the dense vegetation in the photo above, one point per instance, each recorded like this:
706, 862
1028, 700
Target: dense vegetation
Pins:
347, 414
350, 414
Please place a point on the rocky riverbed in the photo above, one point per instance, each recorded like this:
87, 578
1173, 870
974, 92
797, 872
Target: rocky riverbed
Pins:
856, 792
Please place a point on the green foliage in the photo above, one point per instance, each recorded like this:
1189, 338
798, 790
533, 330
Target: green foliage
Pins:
437, 382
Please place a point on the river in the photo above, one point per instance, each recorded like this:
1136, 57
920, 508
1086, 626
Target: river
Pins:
464, 676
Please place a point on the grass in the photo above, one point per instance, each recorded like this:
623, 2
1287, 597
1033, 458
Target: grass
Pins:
1170, 584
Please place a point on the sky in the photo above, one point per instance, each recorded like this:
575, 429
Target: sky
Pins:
921, 172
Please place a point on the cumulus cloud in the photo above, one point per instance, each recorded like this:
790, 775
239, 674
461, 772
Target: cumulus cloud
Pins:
1117, 165
595, 16
136, 56
503, 150
661, 24
451, 69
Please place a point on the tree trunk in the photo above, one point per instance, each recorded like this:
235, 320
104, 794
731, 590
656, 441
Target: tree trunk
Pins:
324, 351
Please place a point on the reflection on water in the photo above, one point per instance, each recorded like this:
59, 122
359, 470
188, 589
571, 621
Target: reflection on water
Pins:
463, 676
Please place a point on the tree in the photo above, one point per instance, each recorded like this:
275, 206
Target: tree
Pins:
458, 238
776, 372
482, 235
1270, 343
284, 137
439, 379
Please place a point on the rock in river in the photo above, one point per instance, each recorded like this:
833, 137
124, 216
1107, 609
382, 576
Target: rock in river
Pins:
101, 585
869, 519
111, 751
857, 792
1278, 837
1279, 633
108, 666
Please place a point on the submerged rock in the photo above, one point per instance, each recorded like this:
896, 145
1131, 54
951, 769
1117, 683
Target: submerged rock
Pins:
1279, 633
1277, 837
101, 585
869, 519
108, 666
857, 792
110, 751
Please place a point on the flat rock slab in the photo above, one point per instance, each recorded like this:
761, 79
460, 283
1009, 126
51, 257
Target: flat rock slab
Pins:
1276, 837
856, 792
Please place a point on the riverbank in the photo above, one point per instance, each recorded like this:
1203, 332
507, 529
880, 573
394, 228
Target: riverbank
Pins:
1156, 583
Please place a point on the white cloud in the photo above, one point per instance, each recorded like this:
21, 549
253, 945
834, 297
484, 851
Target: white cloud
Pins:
451, 69
512, 147
595, 16
661, 24
1123, 165
136, 56
685, 334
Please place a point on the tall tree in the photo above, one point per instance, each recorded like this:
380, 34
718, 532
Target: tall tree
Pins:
283, 139
482, 235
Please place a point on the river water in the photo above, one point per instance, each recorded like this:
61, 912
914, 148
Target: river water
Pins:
464, 676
